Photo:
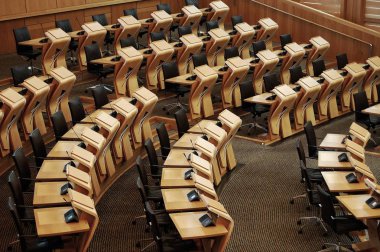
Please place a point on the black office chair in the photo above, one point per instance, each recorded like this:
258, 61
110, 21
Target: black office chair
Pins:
181, 122
163, 136
24, 170
285, 39
38, 146
155, 36
65, 25
340, 224
199, 60
271, 81
152, 192
311, 139
143, 30
99, 93
166, 7
108, 40
296, 73
212, 25
130, 41
236, 20
155, 167
170, 70
59, 125
246, 90
184, 30
192, 2
77, 110
341, 60
361, 103
20, 35
258, 46
20, 74
231, 52
318, 66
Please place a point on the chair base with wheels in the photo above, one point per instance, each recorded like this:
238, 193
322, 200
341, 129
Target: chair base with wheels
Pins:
175, 106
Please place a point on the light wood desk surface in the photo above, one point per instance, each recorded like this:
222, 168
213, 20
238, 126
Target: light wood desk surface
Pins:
189, 226
357, 206
75, 131
51, 222
336, 182
333, 142
48, 194
62, 149
199, 127
186, 141
107, 60
181, 80
176, 201
52, 170
174, 178
176, 158
260, 99
329, 159
373, 110
75, 35
35, 42
91, 117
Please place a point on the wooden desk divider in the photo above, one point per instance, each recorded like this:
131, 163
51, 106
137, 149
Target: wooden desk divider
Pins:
372, 79
279, 119
192, 17
86, 161
208, 152
191, 45
293, 57
351, 85
219, 12
243, 39
95, 32
81, 180
267, 31
55, 54
236, 73
319, 49
361, 135
268, 62
162, 52
327, 100
129, 27
141, 130
36, 97
200, 102
125, 80
162, 22
204, 186
11, 110
126, 114
85, 208
109, 126
215, 47
356, 150
304, 106
231, 124
202, 167
60, 89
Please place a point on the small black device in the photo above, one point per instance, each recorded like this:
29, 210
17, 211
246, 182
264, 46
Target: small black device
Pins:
372, 203
113, 114
254, 61
80, 33
116, 26
219, 124
366, 66
345, 138
204, 137
95, 128
257, 27
149, 20
195, 153
44, 40
23, 91
297, 89
223, 69
133, 101
206, 39
148, 51
65, 188
343, 157
71, 216
49, 80
344, 73
309, 46
180, 15
351, 178
71, 163
179, 44
116, 58
321, 80
193, 77
208, 10
193, 196
188, 173
206, 221
233, 32
283, 53
82, 145
271, 98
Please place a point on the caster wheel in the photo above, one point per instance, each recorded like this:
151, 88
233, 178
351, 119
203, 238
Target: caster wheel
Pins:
134, 222
291, 201
299, 222
324, 234
300, 231
308, 208
324, 247
138, 245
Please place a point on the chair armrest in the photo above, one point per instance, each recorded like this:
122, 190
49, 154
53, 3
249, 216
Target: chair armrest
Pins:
153, 187
27, 220
159, 166
28, 179
154, 176
24, 206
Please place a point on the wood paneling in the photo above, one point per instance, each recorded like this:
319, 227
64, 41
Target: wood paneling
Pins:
67, 3
12, 7
40, 5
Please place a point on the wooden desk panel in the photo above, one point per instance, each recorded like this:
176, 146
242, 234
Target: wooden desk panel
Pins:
62, 149
75, 132
333, 142
49, 194
52, 170
186, 141
176, 200
176, 158
174, 178
336, 182
329, 159
357, 206
373, 110
199, 127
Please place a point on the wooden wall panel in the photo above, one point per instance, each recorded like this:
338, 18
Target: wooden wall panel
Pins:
67, 3
12, 7
117, 10
7, 39
76, 18
40, 5
88, 13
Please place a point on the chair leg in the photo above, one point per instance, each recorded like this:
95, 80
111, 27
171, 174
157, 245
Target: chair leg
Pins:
148, 246
297, 197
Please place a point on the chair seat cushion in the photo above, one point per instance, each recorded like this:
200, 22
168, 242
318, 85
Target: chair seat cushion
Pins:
31, 54
347, 223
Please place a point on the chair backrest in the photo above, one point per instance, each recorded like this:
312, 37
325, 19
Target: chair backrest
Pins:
231, 52
163, 136
319, 66
296, 73
38, 145
259, 46
246, 90
271, 81
192, 2
184, 30
101, 19
301, 152
59, 125
93, 52
20, 35
130, 41
170, 70
327, 210
155, 36
20, 74
311, 139
154, 227
361, 102
236, 20
152, 156
309, 186
181, 122
23, 169
99, 93
141, 170
65, 25
16, 190
77, 110
341, 60
212, 25
285, 39
131, 12
16, 219
200, 59
164, 7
